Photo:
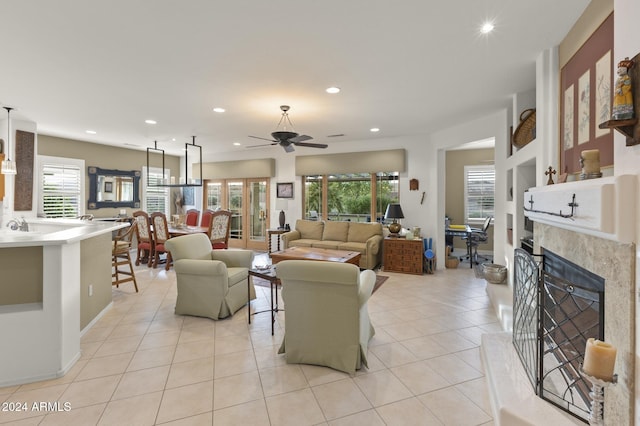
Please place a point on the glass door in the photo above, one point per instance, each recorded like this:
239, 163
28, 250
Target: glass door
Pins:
248, 201
257, 217
235, 203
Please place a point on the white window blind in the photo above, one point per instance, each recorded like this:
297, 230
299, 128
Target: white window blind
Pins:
156, 198
61, 189
479, 189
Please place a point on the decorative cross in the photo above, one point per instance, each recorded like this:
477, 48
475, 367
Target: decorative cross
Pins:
550, 173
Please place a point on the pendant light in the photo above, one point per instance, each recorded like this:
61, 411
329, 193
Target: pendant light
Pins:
170, 182
8, 166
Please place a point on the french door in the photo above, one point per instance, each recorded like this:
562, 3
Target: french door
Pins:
248, 201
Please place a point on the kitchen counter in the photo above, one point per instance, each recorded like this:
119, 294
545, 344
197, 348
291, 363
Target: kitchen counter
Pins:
41, 288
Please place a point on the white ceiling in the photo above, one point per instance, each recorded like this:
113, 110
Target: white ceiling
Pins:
408, 67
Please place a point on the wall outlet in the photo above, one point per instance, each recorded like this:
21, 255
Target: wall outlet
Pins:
90, 290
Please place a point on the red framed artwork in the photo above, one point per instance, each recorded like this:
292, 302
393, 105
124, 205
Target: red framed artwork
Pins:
585, 100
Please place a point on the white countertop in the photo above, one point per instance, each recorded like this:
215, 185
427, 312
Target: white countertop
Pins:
55, 232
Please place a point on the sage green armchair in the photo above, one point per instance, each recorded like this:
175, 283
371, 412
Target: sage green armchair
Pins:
326, 317
211, 283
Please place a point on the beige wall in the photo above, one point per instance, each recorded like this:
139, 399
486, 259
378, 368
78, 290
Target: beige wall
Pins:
95, 270
103, 156
454, 203
21, 275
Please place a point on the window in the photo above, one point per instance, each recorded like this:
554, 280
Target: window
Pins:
156, 198
358, 197
61, 187
479, 189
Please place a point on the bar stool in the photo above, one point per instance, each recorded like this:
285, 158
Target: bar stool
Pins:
121, 256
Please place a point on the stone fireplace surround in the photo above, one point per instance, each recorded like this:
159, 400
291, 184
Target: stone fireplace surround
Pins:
605, 250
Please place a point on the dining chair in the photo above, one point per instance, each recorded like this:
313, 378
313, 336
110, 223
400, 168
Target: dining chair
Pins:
144, 237
219, 229
121, 257
192, 217
205, 220
160, 236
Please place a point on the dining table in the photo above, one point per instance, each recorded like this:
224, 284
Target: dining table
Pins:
176, 231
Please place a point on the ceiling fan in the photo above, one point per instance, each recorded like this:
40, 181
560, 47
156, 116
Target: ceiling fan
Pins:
287, 139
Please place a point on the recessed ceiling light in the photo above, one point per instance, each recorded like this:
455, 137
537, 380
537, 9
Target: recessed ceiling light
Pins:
218, 109
374, 129
486, 28
333, 90
91, 132
237, 144
150, 121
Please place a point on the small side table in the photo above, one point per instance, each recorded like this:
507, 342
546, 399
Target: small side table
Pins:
276, 232
269, 275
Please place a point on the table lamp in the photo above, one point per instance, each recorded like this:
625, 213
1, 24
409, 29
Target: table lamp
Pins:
394, 211
281, 205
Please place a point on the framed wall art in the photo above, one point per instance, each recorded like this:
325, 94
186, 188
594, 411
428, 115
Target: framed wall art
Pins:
585, 101
284, 190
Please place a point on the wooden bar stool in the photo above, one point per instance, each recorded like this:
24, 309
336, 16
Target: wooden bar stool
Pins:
121, 255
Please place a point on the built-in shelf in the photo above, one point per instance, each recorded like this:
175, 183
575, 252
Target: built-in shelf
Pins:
626, 127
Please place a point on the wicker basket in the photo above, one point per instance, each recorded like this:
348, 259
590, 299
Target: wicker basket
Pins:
526, 130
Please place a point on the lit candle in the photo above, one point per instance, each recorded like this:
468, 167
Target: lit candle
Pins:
173, 180
599, 359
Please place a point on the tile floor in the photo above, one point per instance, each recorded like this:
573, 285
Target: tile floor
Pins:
143, 365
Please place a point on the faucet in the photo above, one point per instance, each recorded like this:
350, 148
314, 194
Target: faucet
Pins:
16, 224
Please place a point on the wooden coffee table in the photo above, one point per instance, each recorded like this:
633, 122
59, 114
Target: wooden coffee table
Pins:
313, 253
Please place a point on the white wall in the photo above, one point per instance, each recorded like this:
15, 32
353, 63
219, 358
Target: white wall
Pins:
626, 160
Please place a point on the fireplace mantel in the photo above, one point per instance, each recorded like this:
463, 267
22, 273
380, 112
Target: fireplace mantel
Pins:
604, 207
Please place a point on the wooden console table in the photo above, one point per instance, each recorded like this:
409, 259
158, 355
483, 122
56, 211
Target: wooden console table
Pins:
402, 255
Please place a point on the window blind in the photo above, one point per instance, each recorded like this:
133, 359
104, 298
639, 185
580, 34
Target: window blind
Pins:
61, 190
156, 197
479, 192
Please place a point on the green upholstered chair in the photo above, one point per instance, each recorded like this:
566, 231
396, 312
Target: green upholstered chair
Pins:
326, 320
211, 283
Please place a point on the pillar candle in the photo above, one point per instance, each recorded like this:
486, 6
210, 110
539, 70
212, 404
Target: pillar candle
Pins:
591, 161
599, 359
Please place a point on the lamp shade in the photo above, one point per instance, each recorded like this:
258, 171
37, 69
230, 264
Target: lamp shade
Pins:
394, 211
281, 204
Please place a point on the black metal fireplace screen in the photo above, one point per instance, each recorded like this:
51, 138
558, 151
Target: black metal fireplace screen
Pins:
557, 306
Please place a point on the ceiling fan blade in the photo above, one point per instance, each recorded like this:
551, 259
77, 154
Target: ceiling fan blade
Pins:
311, 145
264, 144
288, 147
301, 138
264, 139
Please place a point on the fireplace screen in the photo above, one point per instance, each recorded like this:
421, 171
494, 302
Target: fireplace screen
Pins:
553, 318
